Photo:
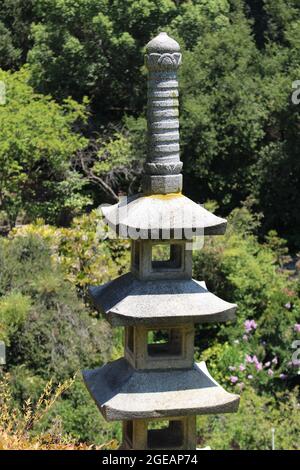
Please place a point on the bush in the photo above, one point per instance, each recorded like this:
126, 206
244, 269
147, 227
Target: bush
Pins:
48, 330
257, 349
18, 425
14, 310
57, 335
54, 333
251, 427
85, 258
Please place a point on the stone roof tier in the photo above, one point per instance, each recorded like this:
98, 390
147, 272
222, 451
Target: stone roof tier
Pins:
124, 393
161, 216
130, 301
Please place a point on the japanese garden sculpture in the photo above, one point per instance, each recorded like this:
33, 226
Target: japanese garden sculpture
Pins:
156, 389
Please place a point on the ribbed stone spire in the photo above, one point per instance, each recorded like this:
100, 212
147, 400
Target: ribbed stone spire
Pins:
163, 165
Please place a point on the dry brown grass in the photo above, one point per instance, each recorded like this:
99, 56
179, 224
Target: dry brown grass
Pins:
17, 425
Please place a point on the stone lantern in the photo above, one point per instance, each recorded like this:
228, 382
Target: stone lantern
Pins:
156, 389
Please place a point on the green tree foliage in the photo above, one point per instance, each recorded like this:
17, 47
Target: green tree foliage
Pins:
84, 250
16, 17
276, 176
46, 321
240, 142
111, 163
257, 349
222, 113
95, 48
49, 332
239, 127
196, 18
8, 53
36, 145
14, 310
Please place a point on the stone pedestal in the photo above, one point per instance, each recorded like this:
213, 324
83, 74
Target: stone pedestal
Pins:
156, 389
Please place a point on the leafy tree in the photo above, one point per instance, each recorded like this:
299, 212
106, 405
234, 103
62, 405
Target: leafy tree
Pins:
239, 125
14, 309
9, 54
196, 18
36, 144
276, 175
84, 251
94, 48
223, 116
281, 16
16, 17
48, 331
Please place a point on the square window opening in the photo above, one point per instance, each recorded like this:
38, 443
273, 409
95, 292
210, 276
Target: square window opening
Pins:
162, 343
166, 257
169, 436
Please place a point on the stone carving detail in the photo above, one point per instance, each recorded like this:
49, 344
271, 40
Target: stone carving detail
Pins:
163, 168
163, 61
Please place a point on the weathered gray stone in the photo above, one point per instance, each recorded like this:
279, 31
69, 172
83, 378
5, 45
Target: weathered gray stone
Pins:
178, 266
162, 217
162, 43
138, 436
158, 302
163, 163
130, 301
123, 393
177, 352
162, 184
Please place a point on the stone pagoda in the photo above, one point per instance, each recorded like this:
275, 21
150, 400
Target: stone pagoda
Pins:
156, 389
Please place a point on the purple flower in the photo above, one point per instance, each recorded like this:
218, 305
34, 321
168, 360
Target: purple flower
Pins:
275, 360
255, 360
270, 372
250, 377
283, 376
297, 327
250, 325
267, 364
234, 379
248, 359
258, 366
232, 368
296, 362
242, 368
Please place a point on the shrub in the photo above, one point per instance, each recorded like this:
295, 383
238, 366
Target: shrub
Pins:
251, 427
85, 258
17, 425
240, 269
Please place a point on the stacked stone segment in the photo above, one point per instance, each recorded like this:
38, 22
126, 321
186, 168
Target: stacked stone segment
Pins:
163, 165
